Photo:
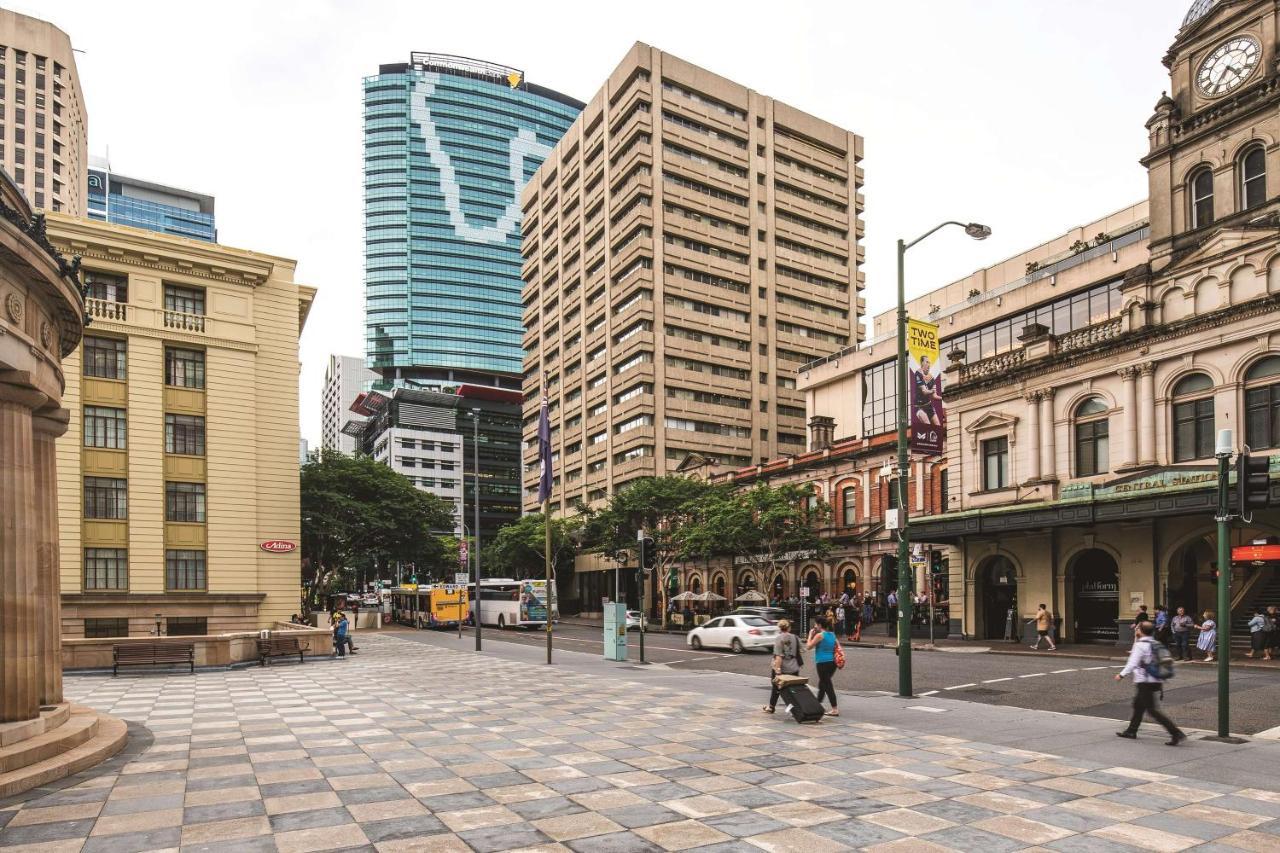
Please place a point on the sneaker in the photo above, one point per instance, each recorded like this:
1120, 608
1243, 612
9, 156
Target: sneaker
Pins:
1176, 739
1127, 734
1032, 647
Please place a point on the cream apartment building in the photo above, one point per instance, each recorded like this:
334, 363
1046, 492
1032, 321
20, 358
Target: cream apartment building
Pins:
181, 461
687, 245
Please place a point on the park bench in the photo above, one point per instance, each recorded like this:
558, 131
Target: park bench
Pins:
152, 654
278, 647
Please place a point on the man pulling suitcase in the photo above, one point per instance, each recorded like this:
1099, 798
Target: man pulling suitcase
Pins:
786, 680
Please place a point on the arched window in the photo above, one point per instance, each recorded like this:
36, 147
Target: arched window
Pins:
1201, 185
1262, 403
849, 505
1092, 452
1253, 177
1193, 418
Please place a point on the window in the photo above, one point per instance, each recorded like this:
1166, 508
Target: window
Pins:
1192, 418
187, 626
849, 503
184, 368
1262, 403
942, 491
184, 570
1091, 438
995, 463
104, 358
1253, 177
102, 628
106, 568
104, 427
184, 434
184, 502
112, 288
185, 300
106, 497
1202, 198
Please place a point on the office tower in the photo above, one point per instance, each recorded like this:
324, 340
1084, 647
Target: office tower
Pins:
688, 245
43, 122
448, 145
344, 378
143, 204
178, 476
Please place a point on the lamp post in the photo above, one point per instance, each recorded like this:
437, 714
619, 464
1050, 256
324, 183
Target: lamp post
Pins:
977, 232
475, 527
1222, 451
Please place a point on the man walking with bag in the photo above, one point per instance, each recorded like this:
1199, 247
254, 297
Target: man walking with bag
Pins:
786, 660
1151, 665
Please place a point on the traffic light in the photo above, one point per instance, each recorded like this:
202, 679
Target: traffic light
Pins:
648, 554
935, 562
1253, 483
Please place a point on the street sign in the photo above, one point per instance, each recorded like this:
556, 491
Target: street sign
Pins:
461, 578
804, 592
463, 552
1255, 553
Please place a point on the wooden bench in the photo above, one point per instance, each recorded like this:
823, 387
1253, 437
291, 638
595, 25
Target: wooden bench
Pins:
152, 654
279, 647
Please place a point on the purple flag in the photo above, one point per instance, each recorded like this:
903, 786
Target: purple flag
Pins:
544, 448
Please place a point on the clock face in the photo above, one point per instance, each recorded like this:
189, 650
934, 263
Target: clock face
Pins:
1230, 64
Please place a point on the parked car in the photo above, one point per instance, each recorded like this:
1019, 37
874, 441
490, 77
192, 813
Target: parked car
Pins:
635, 619
769, 614
738, 632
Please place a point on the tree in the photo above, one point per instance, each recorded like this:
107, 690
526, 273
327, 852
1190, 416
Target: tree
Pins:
355, 509
785, 520
519, 551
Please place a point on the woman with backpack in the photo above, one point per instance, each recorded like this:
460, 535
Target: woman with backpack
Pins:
828, 656
787, 660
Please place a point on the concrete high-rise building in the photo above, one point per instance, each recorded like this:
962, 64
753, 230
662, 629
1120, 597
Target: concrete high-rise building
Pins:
143, 204
344, 378
449, 143
178, 477
43, 122
688, 245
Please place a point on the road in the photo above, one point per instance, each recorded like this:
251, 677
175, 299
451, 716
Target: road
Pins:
1067, 685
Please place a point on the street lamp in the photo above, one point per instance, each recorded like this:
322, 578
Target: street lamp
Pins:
977, 232
475, 527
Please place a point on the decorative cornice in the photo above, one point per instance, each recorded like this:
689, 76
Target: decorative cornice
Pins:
153, 262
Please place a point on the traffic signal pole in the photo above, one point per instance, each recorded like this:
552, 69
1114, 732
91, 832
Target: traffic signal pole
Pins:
1224, 586
640, 578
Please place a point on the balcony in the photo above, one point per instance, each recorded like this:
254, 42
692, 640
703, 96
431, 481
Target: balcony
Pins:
107, 309
183, 321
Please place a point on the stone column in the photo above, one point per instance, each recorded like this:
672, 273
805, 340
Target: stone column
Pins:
47, 426
1130, 446
1147, 410
1033, 430
1048, 458
19, 612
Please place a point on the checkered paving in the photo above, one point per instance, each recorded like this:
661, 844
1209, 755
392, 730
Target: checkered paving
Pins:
412, 747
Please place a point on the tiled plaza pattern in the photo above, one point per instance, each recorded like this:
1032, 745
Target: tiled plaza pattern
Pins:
409, 747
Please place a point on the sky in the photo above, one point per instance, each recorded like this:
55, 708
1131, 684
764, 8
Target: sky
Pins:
1026, 115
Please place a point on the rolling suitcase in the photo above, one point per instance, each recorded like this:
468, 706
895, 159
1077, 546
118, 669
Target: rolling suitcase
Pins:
801, 702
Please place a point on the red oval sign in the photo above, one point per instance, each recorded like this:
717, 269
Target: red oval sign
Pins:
278, 546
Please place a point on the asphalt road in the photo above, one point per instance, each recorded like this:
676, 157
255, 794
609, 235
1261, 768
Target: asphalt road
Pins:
1067, 685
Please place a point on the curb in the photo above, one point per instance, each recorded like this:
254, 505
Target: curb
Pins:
1235, 663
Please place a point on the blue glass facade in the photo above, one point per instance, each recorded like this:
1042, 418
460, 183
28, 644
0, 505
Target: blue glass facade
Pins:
449, 144
108, 203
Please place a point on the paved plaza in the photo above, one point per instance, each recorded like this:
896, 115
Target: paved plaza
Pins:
418, 744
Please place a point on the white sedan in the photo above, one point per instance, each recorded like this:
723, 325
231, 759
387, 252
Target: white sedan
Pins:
737, 633
635, 620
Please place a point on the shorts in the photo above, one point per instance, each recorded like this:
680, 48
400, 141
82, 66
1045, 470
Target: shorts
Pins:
1042, 633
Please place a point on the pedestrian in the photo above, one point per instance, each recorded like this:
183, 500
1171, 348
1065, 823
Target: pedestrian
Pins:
850, 619
839, 623
1142, 616
787, 660
1208, 636
1258, 633
1044, 623
340, 636
1162, 624
1182, 625
823, 642
1273, 636
1148, 680
868, 612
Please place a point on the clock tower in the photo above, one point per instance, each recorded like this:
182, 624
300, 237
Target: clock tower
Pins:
1214, 159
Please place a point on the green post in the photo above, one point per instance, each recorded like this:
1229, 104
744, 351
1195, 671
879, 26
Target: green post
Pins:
904, 546
1223, 616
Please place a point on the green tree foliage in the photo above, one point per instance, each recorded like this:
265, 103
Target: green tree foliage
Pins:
519, 549
785, 520
355, 510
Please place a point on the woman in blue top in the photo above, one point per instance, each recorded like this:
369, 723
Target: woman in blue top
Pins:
823, 642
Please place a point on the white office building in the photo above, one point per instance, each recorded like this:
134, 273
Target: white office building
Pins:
345, 377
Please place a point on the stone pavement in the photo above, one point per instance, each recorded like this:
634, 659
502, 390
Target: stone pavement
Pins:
419, 746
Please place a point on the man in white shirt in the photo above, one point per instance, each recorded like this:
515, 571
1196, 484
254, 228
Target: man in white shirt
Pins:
1146, 685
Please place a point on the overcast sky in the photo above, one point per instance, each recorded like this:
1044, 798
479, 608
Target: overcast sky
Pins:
1023, 114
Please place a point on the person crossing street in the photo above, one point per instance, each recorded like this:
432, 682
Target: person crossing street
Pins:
1144, 664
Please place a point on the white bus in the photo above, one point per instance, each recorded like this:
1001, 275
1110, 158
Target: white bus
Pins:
510, 603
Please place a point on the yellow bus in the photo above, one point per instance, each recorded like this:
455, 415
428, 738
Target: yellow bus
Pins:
429, 605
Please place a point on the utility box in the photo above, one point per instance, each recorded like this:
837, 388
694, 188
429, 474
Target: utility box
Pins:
615, 632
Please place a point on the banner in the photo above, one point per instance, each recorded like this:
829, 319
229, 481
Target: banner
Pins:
924, 384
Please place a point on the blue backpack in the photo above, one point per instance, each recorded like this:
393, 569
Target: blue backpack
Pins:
1160, 663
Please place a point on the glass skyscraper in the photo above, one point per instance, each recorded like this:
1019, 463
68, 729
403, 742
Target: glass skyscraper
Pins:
143, 204
449, 144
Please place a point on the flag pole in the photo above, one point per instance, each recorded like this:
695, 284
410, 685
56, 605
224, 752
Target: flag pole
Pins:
546, 523
545, 482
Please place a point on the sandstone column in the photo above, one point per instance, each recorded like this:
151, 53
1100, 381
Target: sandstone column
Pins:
19, 613
47, 426
1147, 409
1033, 431
1130, 446
1048, 457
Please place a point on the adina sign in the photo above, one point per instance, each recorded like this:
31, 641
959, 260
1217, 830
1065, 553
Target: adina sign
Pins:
278, 546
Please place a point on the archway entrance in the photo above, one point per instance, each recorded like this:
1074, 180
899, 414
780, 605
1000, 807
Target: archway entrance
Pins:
813, 583
1096, 591
695, 585
849, 582
888, 574
777, 589
999, 593
1191, 581
717, 585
